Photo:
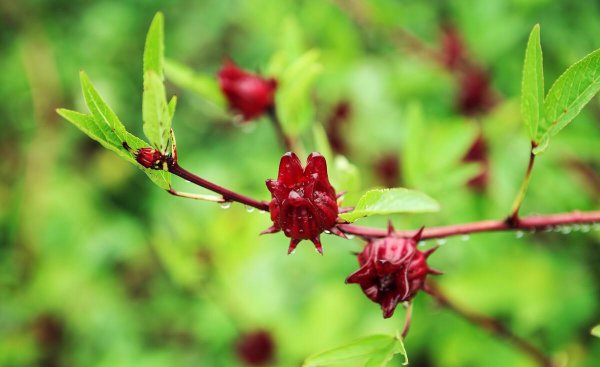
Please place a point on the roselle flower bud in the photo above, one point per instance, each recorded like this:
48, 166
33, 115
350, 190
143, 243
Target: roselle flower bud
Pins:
247, 94
475, 94
392, 270
303, 201
255, 348
150, 158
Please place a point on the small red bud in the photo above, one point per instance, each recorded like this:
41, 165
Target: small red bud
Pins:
392, 270
255, 348
303, 201
150, 158
247, 94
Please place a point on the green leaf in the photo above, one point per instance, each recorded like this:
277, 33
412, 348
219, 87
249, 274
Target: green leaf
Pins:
569, 94
109, 130
532, 86
206, 86
596, 331
154, 48
155, 110
391, 201
106, 120
293, 99
377, 350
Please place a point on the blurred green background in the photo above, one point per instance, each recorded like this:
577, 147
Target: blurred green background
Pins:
98, 267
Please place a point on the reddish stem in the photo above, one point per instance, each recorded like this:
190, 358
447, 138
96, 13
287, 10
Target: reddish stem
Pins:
536, 222
492, 325
285, 140
227, 194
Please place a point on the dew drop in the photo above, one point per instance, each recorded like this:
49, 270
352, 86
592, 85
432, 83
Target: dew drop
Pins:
422, 243
585, 228
465, 237
548, 229
249, 209
226, 205
519, 234
441, 242
596, 226
327, 231
350, 236
566, 230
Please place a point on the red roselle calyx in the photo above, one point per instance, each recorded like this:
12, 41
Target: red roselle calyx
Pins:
256, 348
150, 158
303, 201
247, 94
392, 270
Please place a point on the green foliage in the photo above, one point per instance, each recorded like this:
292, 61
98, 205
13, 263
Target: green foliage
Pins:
157, 113
532, 87
153, 280
105, 127
391, 201
596, 331
205, 86
567, 96
374, 351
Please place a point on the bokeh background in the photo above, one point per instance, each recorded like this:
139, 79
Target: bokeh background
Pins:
98, 267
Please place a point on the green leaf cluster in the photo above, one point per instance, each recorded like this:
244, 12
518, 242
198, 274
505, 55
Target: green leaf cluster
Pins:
104, 126
545, 117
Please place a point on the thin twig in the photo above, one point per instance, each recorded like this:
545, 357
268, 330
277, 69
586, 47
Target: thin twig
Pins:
493, 326
212, 198
535, 223
227, 194
513, 219
285, 140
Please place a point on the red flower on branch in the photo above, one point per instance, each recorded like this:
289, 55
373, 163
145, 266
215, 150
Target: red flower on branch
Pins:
392, 270
247, 94
303, 201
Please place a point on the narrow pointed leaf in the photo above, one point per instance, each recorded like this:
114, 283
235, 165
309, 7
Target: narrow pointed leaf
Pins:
569, 94
102, 113
391, 201
154, 48
87, 124
532, 86
155, 110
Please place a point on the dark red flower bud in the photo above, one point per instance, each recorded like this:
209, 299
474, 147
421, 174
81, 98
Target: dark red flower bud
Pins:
150, 158
247, 94
304, 202
475, 94
452, 47
478, 153
255, 348
392, 270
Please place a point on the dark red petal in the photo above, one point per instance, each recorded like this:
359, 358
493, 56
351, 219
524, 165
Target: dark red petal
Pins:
316, 168
317, 242
270, 230
277, 189
293, 244
360, 275
371, 291
336, 231
290, 169
388, 304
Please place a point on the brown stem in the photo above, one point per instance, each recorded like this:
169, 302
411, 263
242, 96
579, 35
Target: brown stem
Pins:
227, 194
493, 326
536, 222
513, 219
285, 140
